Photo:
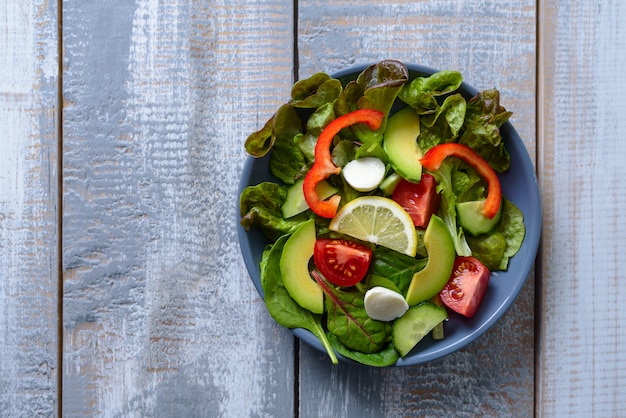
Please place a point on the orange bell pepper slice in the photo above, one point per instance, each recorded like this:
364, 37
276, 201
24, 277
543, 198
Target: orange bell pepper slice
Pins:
434, 157
323, 167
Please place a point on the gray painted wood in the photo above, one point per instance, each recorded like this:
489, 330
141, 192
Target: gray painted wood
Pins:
160, 317
582, 342
495, 375
29, 265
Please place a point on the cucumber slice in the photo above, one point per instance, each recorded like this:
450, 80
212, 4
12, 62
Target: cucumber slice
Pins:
416, 323
389, 184
472, 219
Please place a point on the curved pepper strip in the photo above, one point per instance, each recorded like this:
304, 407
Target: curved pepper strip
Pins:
434, 157
323, 167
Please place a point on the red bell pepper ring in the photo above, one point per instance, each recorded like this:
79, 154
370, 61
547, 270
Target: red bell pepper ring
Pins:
323, 167
434, 157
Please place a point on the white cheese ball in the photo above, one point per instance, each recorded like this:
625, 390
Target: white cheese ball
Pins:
384, 304
364, 174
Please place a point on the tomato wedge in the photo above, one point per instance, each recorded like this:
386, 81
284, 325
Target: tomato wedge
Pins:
466, 288
420, 200
341, 262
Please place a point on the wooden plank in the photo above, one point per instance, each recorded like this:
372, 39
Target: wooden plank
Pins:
160, 316
29, 267
581, 371
493, 376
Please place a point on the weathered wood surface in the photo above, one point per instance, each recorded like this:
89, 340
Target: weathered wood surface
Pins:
493, 376
29, 266
582, 341
159, 316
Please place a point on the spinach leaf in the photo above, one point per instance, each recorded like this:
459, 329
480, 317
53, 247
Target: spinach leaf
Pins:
514, 230
396, 267
488, 248
383, 358
260, 206
348, 321
282, 307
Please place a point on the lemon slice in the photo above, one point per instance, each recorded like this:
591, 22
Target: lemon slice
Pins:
378, 220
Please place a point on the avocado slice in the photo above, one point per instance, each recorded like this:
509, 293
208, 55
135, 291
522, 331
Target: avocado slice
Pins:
294, 267
400, 143
429, 281
473, 220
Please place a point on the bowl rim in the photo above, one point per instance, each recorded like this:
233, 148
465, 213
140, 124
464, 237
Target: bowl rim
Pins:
530, 245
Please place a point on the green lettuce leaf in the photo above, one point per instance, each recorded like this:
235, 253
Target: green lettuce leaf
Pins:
422, 92
375, 88
260, 206
287, 161
315, 91
260, 142
484, 117
445, 186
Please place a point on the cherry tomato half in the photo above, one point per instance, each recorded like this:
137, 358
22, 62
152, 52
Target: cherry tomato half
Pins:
420, 200
467, 286
342, 262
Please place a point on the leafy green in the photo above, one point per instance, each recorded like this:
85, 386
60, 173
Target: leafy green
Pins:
322, 116
443, 124
468, 185
445, 186
287, 161
282, 307
376, 87
260, 206
373, 280
422, 92
484, 117
514, 230
496, 248
348, 321
387, 356
315, 91
488, 248
260, 142
396, 267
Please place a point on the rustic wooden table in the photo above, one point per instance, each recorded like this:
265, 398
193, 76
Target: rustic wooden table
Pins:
122, 287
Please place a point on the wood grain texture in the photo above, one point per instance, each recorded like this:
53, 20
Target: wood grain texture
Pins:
581, 370
493, 376
160, 316
29, 266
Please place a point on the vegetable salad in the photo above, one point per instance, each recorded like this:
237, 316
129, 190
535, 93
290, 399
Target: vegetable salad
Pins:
333, 143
